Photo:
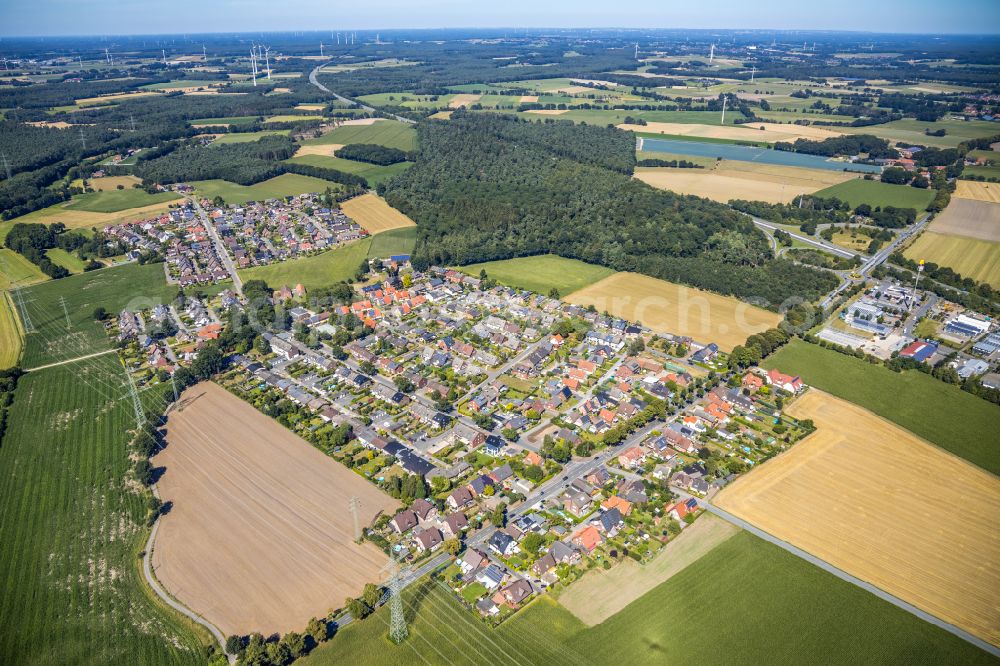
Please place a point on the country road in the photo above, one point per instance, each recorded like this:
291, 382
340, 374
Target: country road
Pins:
315, 81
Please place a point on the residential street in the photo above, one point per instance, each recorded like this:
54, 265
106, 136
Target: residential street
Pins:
220, 248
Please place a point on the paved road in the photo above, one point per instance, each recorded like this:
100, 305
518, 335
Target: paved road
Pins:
821, 244
843, 575
220, 248
877, 259
919, 314
315, 81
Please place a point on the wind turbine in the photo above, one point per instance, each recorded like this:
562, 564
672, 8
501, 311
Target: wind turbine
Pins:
711, 55
724, 101
253, 66
321, 49
752, 72
267, 62
637, 50
107, 56
164, 52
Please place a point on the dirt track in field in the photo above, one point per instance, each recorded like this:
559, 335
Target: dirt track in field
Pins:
882, 504
259, 536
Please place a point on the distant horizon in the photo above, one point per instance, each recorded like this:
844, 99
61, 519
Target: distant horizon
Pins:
63, 18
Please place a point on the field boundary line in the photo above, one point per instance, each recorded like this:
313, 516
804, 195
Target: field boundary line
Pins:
865, 585
71, 360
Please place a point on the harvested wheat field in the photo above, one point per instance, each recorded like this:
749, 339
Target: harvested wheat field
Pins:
325, 149
970, 218
115, 97
730, 179
463, 99
441, 115
666, 307
600, 594
359, 121
83, 219
548, 112
259, 536
374, 214
771, 133
968, 189
528, 99
880, 503
111, 182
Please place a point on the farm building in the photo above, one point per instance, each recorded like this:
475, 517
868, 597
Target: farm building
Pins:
919, 351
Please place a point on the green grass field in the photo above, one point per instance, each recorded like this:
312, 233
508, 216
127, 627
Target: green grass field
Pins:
617, 116
112, 288
246, 137
911, 131
970, 257
112, 201
69, 261
11, 338
541, 273
746, 601
15, 268
373, 173
180, 83
940, 413
389, 133
319, 270
72, 529
991, 171
393, 242
287, 184
876, 193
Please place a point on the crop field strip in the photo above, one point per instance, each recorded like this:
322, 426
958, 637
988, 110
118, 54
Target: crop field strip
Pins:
740, 578
374, 214
666, 307
967, 189
258, 537
939, 413
314, 271
876, 193
11, 334
541, 273
69, 507
831, 495
388, 133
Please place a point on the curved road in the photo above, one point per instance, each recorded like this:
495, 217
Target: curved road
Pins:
313, 80
147, 572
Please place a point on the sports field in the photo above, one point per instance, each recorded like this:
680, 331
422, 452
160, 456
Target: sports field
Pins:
938, 412
970, 218
744, 597
970, 257
259, 536
600, 594
666, 307
880, 503
11, 336
859, 191
318, 270
287, 184
374, 214
389, 133
758, 132
72, 525
967, 189
729, 179
541, 273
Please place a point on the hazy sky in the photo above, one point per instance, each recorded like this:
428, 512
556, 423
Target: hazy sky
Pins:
74, 17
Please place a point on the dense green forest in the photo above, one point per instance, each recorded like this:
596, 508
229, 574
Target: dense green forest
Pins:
841, 145
809, 211
372, 153
489, 187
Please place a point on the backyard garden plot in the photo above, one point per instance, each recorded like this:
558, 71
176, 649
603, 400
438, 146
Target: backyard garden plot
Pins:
967, 189
600, 594
855, 494
374, 214
259, 536
666, 307
859, 191
72, 524
729, 179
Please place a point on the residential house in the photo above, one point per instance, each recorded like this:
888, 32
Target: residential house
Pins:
404, 521
587, 539
429, 539
503, 544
